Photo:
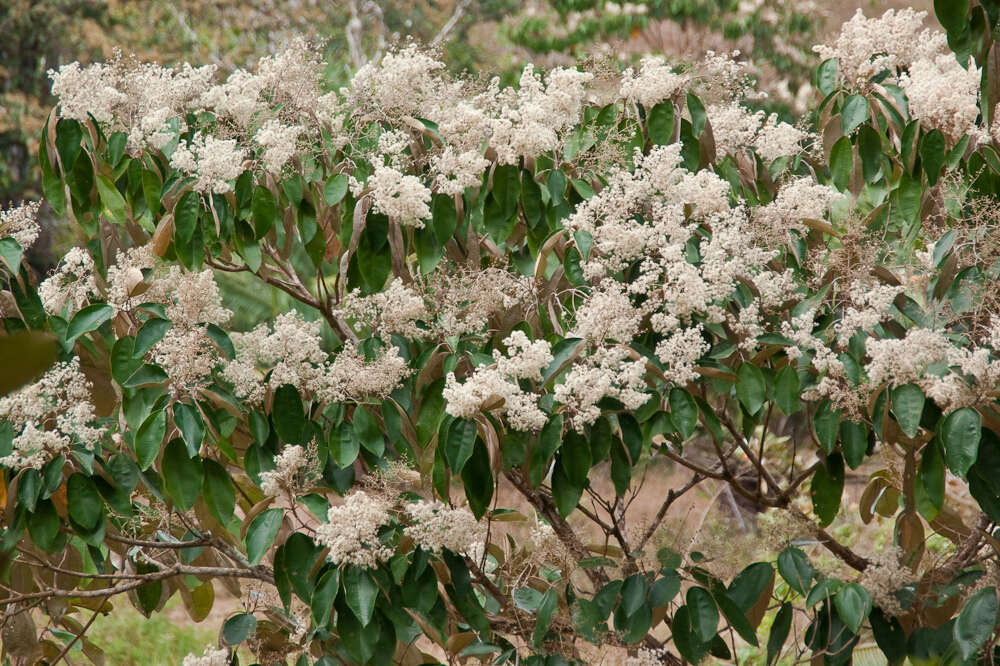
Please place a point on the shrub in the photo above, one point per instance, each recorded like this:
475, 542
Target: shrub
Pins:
510, 301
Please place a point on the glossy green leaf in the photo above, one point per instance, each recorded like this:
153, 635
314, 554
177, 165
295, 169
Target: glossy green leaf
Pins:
335, 189
827, 488
660, 123
960, 433
86, 508
908, 407
751, 389
182, 474
794, 567
261, 532
853, 442
779, 632
148, 438
853, 112
323, 596
360, 593
188, 420
238, 628
88, 319
683, 411
288, 414
543, 617
114, 202
976, 621
853, 605
220, 495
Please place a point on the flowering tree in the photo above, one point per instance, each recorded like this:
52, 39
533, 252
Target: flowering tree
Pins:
512, 303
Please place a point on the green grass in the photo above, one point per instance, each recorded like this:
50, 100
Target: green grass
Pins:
129, 638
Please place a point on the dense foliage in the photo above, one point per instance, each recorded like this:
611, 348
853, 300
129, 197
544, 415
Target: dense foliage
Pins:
512, 304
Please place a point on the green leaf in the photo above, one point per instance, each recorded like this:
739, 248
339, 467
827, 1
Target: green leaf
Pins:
683, 411
908, 407
779, 632
826, 76
853, 605
151, 332
263, 210
344, 446
527, 599
478, 480
952, 16
826, 423
543, 618
660, 123
148, 438
751, 389
545, 447
335, 189
976, 621
750, 584
261, 533
827, 488
84, 501
932, 155
459, 444
145, 375
10, 253
43, 526
929, 488
703, 612
870, 150
112, 199
360, 593
186, 217
88, 319
444, 218
698, 115
574, 458
565, 492
734, 614
288, 414
787, 390
794, 567
238, 628
960, 433
323, 596
192, 427
220, 495
853, 442
841, 163
853, 112
182, 474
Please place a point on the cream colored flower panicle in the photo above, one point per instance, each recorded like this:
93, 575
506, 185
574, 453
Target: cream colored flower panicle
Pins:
293, 466
609, 372
870, 303
210, 657
292, 349
867, 46
654, 82
797, 199
495, 387
125, 279
943, 94
211, 161
50, 416
21, 223
404, 83
279, 143
353, 377
393, 311
403, 198
454, 171
436, 526
351, 531
70, 285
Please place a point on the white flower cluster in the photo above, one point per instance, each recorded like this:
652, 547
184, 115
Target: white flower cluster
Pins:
436, 526
495, 387
71, 284
21, 223
605, 373
798, 199
210, 657
291, 465
351, 531
870, 304
654, 82
393, 311
212, 162
401, 197
292, 351
126, 287
454, 171
278, 142
52, 415
942, 92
